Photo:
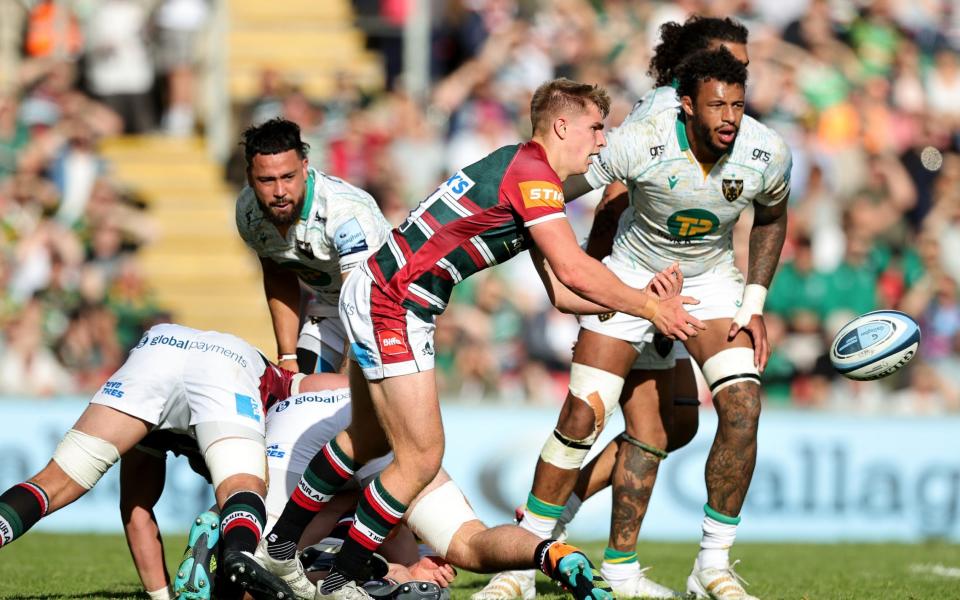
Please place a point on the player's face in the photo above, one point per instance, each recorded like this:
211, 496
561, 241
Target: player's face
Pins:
279, 182
585, 135
716, 114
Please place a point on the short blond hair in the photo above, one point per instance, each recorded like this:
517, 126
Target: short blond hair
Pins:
560, 95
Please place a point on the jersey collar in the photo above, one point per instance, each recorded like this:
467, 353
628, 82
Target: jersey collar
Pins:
308, 201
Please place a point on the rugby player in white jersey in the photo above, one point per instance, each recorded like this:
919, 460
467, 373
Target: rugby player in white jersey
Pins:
650, 388
690, 173
309, 230
209, 385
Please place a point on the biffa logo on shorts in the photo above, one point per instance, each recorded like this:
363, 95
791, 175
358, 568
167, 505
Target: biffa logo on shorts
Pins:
391, 342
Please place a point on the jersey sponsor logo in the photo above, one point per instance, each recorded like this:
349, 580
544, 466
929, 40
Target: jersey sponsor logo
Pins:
274, 451
656, 151
247, 407
282, 405
732, 188
142, 342
672, 180
391, 342
112, 388
541, 194
761, 155
349, 238
692, 223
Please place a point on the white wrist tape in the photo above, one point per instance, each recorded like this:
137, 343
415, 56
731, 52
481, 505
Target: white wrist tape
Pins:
754, 295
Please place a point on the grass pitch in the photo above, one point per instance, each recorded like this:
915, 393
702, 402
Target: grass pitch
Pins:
42, 566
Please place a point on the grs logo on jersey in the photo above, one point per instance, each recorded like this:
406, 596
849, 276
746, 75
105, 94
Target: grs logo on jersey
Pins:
692, 223
732, 188
656, 151
761, 155
541, 194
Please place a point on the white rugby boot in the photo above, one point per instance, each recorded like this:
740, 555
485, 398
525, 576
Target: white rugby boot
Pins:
290, 571
349, 591
641, 586
509, 585
718, 584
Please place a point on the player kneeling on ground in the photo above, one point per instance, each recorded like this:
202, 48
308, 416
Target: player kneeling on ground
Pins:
211, 385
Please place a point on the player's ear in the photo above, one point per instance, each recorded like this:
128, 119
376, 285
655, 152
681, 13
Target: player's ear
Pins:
686, 103
304, 164
560, 127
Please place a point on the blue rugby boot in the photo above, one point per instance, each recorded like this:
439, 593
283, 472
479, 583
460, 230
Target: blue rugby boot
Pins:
571, 568
197, 570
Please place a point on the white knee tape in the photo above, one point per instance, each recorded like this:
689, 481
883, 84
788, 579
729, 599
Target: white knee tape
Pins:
85, 458
565, 453
438, 516
599, 389
730, 366
230, 449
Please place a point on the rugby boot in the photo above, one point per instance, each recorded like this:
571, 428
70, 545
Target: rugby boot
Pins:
571, 568
509, 585
242, 569
717, 584
349, 591
290, 571
197, 571
641, 586
385, 589
322, 555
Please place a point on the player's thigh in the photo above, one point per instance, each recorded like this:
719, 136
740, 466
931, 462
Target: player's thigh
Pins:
714, 339
604, 352
408, 409
111, 425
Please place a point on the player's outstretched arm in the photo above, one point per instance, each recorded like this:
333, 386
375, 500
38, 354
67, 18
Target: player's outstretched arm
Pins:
283, 299
141, 483
575, 186
588, 278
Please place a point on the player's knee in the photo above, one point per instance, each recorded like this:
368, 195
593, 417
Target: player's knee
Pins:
241, 482
445, 521
594, 395
85, 458
735, 383
419, 467
232, 451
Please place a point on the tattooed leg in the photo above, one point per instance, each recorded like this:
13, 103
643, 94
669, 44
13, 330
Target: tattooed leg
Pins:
634, 474
734, 453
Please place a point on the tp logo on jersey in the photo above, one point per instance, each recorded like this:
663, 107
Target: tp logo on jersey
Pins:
541, 194
732, 188
692, 223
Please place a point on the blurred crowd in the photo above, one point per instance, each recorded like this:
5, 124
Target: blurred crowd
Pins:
74, 297
867, 95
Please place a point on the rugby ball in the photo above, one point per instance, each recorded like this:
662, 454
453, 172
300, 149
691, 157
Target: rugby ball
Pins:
875, 345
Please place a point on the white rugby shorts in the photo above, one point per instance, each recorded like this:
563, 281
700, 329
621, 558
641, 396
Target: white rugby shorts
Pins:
719, 291
297, 428
177, 377
386, 339
323, 335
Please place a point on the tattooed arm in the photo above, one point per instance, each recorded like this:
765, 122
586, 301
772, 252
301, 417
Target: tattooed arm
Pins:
766, 241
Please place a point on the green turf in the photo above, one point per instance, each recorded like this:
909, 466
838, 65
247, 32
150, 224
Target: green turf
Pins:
85, 566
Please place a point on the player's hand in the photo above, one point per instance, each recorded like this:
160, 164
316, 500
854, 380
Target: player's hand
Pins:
435, 569
756, 328
290, 365
667, 283
674, 321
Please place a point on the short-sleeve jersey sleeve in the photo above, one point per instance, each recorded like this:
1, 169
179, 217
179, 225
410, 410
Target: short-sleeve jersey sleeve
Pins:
776, 177
355, 226
622, 157
533, 189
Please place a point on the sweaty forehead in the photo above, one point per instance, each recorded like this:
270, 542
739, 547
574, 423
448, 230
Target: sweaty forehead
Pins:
711, 89
275, 164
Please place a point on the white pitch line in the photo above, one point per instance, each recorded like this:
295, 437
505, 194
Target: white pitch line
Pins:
937, 569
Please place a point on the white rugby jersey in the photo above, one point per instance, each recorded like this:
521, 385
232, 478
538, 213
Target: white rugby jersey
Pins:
677, 214
340, 225
655, 101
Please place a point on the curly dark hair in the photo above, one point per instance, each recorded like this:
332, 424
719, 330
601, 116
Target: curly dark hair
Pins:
679, 41
718, 64
273, 137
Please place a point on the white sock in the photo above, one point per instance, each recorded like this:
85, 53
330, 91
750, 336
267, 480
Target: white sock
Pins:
542, 527
161, 594
617, 573
715, 545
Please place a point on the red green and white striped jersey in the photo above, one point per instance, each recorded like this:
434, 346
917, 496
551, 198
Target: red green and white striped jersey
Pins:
474, 220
